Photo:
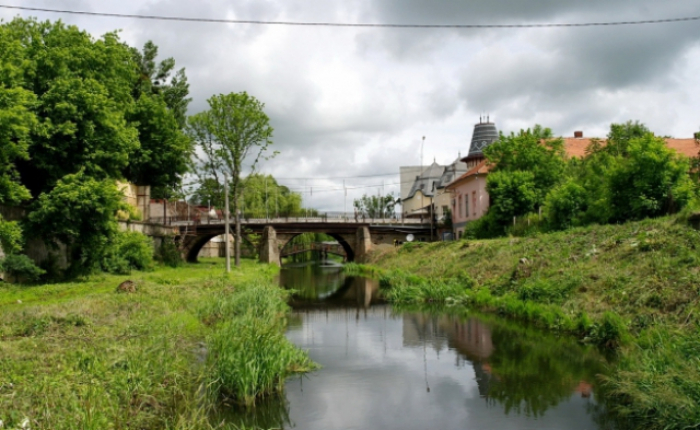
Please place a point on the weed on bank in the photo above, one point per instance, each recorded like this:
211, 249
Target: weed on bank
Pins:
82, 356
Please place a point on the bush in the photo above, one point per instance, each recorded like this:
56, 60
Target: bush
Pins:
130, 250
565, 204
169, 253
20, 267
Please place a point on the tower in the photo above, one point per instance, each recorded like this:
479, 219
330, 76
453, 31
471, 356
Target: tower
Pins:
485, 133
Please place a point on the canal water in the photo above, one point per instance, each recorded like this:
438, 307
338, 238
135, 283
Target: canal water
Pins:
403, 369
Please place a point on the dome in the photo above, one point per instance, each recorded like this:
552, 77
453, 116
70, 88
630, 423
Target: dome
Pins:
485, 133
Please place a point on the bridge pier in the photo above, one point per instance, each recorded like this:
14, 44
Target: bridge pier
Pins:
269, 246
363, 244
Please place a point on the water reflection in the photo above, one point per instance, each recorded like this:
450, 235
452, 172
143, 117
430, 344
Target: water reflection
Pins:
406, 369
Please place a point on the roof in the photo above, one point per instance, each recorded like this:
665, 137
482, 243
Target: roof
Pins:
427, 181
480, 169
485, 133
451, 172
576, 146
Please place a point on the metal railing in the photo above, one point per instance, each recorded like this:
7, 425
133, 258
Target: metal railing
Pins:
326, 217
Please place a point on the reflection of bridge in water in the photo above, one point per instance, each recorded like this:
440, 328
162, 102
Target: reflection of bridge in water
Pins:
321, 248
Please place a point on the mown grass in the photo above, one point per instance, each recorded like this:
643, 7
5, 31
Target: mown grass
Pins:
634, 288
81, 356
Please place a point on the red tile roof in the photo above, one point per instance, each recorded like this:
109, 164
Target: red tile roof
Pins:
576, 147
480, 169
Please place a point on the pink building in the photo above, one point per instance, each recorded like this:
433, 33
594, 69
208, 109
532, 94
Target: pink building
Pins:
470, 201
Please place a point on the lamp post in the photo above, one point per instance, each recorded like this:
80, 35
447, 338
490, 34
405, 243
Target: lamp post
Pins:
226, 228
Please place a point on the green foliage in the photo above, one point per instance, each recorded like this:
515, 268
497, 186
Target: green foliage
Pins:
11, 240
263, 196
249, 355
234, 128
20, 267
532, 150
164, 151
79, 212
651, 181
565, 204
512, 193
82, 88
128, 251
375, 206
169, 253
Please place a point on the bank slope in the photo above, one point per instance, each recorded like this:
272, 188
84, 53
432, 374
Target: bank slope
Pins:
634, 287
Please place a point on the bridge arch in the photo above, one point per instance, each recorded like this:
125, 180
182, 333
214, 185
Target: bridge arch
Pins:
193, 245
284, 240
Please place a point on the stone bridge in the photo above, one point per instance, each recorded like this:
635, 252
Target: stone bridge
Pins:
356, 238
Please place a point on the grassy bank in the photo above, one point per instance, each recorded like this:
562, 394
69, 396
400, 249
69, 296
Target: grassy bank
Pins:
82, 356
633, 288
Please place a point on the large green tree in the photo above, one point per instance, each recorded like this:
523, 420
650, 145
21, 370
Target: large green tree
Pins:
161, 100
79, 212
233, 130
533, 150
82, 88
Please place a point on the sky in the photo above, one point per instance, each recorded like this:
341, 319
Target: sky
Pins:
351, 105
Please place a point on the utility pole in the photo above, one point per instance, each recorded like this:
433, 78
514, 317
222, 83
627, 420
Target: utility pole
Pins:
227, 237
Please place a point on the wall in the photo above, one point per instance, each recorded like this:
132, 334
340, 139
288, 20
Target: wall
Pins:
473, 188
409, 208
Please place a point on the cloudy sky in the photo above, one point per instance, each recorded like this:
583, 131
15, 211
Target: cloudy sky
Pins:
355, 102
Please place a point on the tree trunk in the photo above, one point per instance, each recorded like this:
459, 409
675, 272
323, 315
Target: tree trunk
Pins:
237, 240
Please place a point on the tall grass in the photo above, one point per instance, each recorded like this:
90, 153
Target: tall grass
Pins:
249, 356
80, 356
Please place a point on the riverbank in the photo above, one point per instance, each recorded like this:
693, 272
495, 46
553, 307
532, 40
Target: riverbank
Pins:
81, 355
630, 288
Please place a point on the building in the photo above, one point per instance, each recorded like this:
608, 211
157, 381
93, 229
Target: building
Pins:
417, 203
469, 199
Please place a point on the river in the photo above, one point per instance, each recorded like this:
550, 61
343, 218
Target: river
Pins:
403, 369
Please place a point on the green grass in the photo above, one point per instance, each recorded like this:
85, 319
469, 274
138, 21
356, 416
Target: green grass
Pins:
634, 288
81, 356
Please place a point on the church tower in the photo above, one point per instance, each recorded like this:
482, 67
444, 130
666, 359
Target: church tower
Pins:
485, 133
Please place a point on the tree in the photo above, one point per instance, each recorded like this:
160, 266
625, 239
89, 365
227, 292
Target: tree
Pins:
159, 114
16, 119
153, 80
79, 212
82, 88
512, 194
565, 204
375, 206
234, 128
532, 150
651, 180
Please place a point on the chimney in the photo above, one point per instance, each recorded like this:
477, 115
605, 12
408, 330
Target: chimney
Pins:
578, 134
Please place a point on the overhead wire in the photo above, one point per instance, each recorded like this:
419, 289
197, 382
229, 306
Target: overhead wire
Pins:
346, 24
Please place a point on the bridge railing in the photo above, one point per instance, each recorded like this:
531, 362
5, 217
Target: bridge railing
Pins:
326, 217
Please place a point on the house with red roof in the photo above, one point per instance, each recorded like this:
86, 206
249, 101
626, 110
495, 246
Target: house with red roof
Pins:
470, 200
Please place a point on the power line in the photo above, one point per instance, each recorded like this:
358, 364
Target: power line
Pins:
340, 24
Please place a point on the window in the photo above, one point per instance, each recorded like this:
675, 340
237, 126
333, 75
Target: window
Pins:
460, 207
444, 210
466, 206
474, 202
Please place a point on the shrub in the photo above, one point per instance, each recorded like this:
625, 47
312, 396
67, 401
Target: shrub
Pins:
169, 253
130, 250
565, 204
20, 267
